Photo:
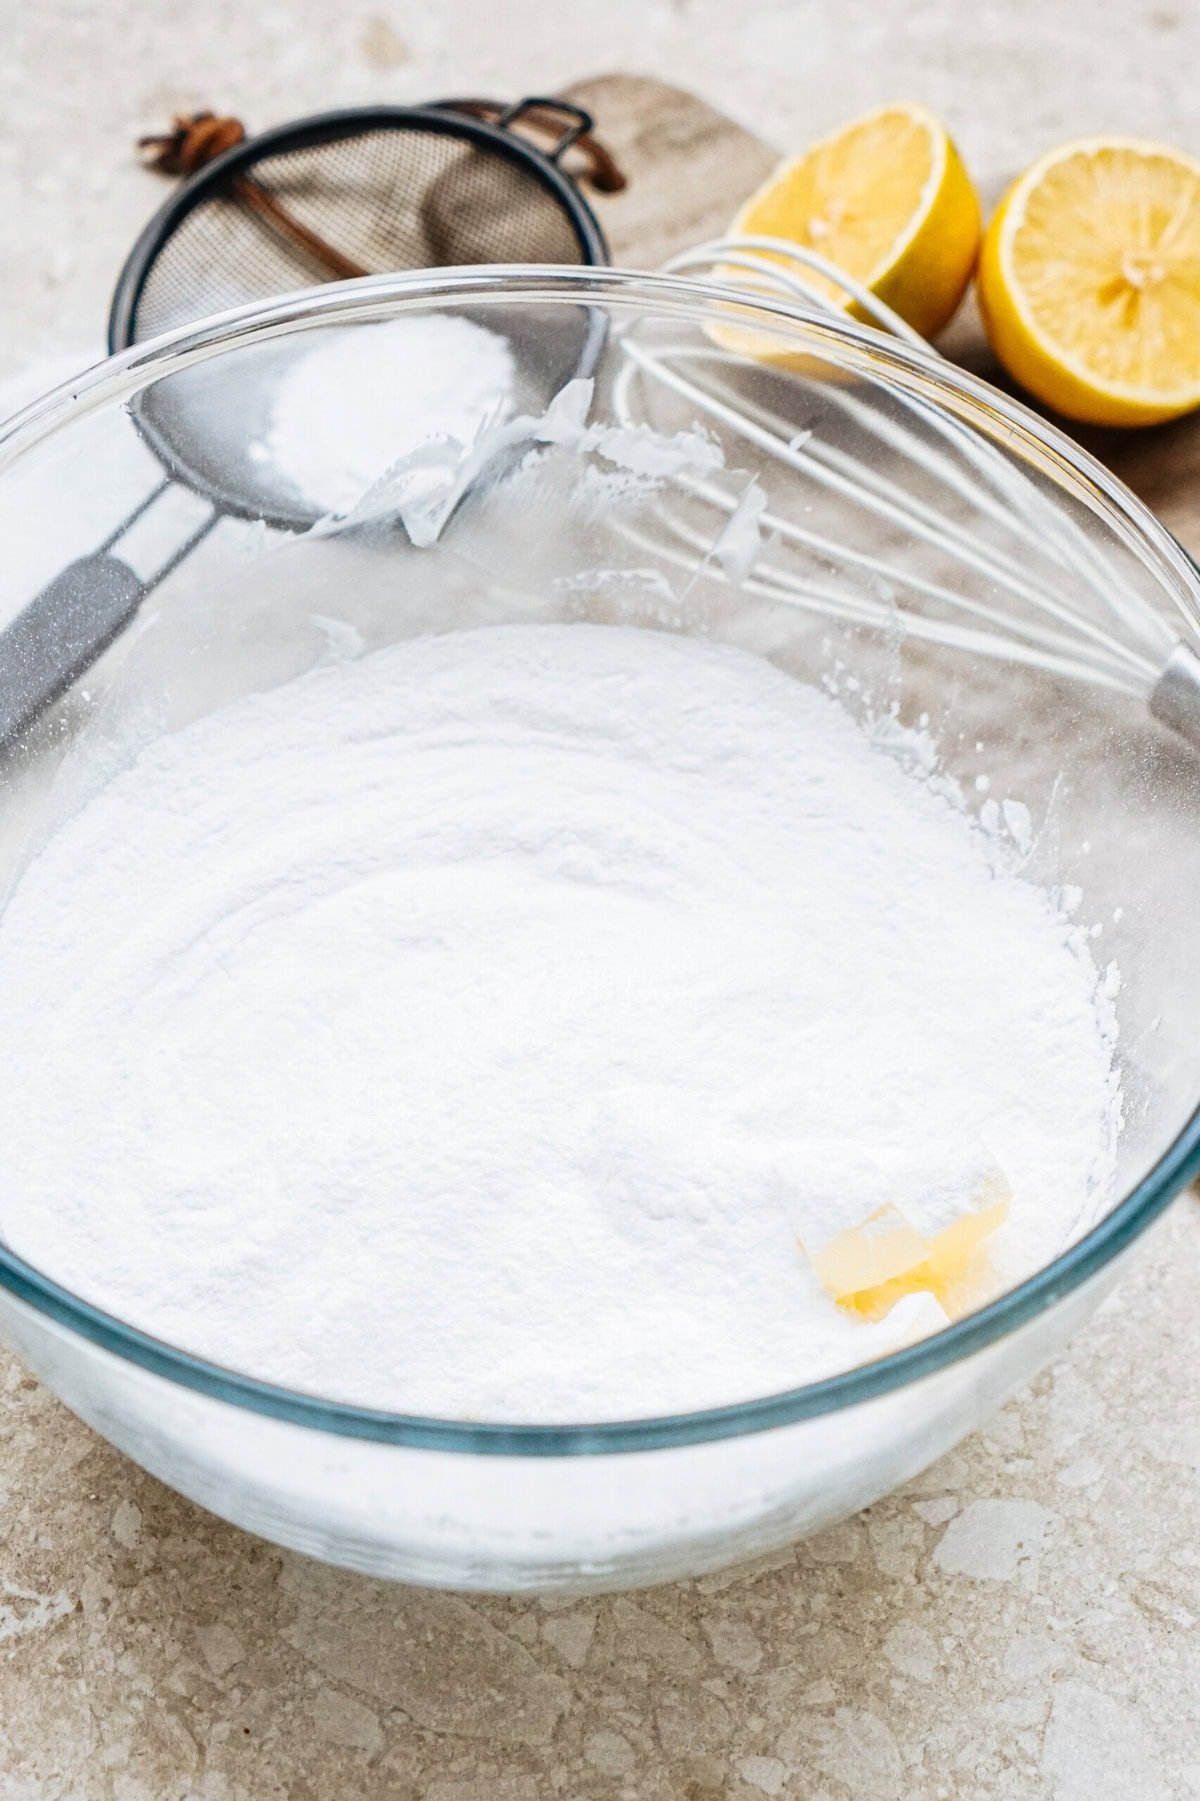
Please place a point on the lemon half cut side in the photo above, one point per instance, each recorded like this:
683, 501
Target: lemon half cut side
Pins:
1089, 281
887, 199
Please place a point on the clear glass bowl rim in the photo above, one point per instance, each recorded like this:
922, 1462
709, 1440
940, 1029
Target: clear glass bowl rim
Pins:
883, 359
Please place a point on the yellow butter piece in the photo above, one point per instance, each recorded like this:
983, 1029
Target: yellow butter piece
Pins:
869, 1267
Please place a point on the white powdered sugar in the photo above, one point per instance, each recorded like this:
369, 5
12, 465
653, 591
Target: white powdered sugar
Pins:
469, 1029
356, 402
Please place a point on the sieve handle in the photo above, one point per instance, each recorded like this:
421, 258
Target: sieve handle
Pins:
574, 125
61, 633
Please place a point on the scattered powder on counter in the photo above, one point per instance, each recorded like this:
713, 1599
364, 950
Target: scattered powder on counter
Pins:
359, 401
470, 1029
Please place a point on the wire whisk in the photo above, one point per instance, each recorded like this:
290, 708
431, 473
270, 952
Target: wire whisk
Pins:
939, 535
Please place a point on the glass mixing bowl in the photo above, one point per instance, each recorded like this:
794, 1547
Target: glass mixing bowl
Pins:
930, 550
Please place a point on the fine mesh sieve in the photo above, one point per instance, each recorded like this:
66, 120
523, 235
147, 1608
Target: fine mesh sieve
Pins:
420, 189
361, 192
371, 190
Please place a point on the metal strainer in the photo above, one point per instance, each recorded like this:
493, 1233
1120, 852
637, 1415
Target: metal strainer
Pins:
371, 190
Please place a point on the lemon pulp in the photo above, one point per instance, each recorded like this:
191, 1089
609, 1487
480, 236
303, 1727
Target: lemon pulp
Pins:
1089, 281
886, 198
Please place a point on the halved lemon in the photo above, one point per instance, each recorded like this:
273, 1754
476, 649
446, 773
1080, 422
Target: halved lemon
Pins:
1089, 281
887, 199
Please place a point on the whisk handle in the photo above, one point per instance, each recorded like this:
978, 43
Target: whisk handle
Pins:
60, 633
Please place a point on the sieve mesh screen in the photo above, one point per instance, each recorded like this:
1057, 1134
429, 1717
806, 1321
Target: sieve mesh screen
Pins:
387, 199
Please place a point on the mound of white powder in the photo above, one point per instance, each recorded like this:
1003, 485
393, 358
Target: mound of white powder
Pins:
358, 401
467, 1029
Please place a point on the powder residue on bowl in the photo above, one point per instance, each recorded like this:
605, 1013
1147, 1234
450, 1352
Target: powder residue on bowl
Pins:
473, 1028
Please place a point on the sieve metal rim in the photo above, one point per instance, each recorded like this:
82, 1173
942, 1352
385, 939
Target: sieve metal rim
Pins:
332, 127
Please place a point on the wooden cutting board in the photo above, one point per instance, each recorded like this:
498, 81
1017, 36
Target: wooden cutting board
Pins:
690, 167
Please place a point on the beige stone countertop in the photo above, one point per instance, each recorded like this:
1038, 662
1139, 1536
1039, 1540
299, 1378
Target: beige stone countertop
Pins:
1022, 1621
